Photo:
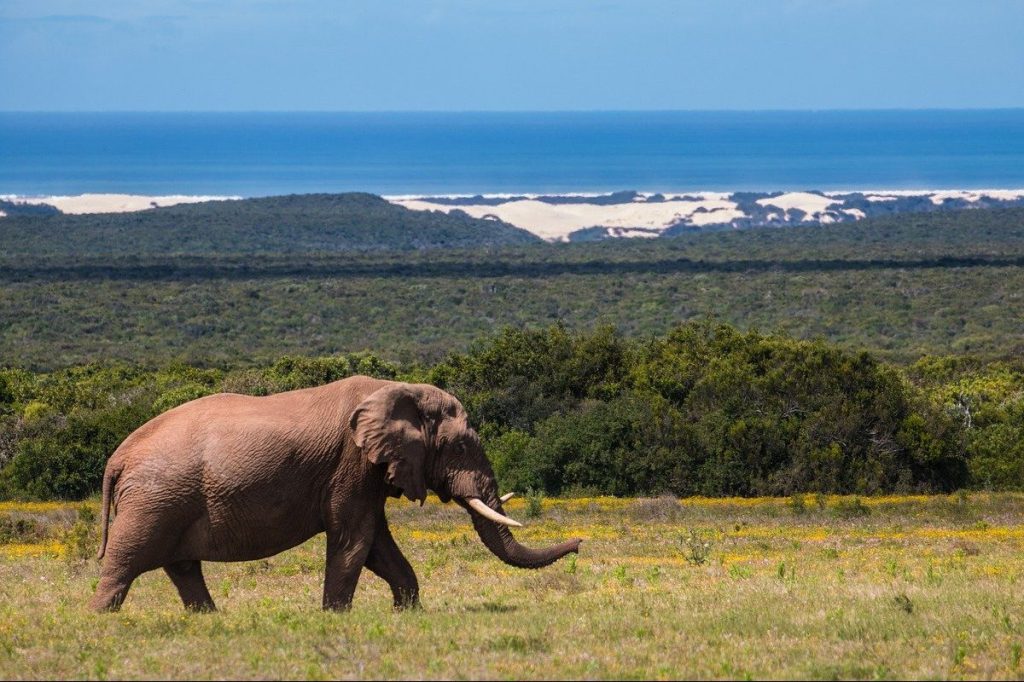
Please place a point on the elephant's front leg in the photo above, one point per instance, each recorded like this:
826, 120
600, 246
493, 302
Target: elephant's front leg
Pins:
388, 562
347, 550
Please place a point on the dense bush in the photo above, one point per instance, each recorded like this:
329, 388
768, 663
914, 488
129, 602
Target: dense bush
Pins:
706, 409
57, 430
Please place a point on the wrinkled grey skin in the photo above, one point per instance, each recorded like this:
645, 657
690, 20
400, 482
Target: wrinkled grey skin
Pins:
234, 478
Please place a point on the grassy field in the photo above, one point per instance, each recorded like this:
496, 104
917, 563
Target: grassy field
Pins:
809, 587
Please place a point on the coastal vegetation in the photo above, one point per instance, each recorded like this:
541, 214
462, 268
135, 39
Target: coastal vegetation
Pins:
704, 410
903, 287
889, 361
283, 224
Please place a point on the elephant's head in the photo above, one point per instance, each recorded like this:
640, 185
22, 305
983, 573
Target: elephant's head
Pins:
422, 435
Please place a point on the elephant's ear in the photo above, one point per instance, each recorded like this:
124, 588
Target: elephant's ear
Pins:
388, 427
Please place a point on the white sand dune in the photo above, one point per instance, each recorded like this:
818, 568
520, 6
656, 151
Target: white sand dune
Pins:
640, 217
973, 195
937, 196
111, 203
811, 204
555, 222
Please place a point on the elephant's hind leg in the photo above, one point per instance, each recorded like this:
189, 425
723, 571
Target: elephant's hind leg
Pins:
120, 569
112, 589
187, 576
139, 541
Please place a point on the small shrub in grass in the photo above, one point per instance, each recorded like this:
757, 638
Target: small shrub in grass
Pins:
960, 506
960, 650
518, 644
19, 529
965, 548
738, 571
661, 508
903, 603
80, 539
798, 504
962, 499
696, 548
534, 503
620, 574
850, 509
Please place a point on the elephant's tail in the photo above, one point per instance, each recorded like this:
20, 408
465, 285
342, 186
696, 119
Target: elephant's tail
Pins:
109, 481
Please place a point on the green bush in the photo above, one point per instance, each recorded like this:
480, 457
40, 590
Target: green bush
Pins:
66, 459
706, 409
997, 455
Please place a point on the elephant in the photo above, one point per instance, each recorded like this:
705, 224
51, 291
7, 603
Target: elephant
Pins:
230, 477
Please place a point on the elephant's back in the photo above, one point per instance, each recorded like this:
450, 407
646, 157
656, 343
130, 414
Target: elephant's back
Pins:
217, 461
169, 429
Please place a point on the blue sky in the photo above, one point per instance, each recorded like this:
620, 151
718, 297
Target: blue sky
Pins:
509, 54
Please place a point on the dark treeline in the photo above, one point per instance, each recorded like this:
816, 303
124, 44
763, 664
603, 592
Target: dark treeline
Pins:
227, 269
361, 231
705, 409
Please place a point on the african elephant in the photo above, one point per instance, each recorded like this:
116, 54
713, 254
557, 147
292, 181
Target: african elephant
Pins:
232, 477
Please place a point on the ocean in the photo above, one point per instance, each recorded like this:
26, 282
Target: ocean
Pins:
257, 154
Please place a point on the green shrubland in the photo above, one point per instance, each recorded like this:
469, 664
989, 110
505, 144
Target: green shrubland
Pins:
226, 295
706, 409
302, 223
891, 359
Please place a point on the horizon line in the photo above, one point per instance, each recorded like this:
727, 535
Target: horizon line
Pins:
512, 111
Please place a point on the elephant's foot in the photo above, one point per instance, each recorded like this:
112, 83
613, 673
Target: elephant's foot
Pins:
406, 599
110, 594
337, 605
411, 605
187, 576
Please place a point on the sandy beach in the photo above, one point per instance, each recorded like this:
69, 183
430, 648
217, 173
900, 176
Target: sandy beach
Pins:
111, 203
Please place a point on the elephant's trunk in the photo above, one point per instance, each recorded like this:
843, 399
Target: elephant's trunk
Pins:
499, 540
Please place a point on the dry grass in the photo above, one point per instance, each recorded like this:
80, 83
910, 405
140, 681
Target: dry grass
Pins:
916, 587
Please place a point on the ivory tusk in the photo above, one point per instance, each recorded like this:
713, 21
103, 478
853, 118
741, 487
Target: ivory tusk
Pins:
506, 497
489, 513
